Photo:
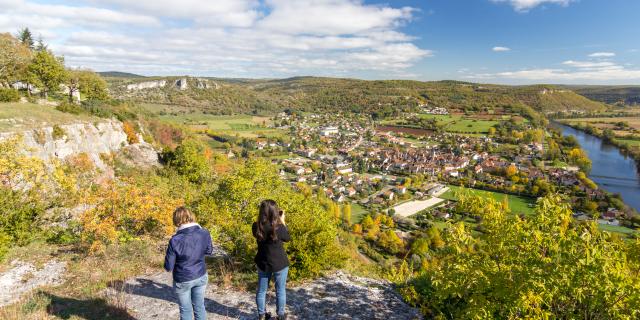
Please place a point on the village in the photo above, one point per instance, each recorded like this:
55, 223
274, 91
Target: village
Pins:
381, 170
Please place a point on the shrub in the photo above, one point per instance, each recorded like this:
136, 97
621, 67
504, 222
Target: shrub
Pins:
125, 212
9, 95
130, 131
233, 208
68, 107
58, 132
18, 219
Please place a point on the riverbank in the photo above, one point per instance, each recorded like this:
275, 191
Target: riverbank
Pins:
612, 169
631, 149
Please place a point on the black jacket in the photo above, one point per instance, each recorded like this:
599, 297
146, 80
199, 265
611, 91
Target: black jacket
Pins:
271, 256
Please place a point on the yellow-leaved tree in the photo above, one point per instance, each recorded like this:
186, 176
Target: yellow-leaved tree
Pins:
544, 266
125, 211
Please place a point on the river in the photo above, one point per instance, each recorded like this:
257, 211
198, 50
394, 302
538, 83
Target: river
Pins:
611, 169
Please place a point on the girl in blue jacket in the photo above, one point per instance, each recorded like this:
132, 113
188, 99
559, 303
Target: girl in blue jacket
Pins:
185, 259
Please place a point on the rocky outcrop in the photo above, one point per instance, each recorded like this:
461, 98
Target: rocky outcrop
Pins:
24, 277
181, 84
93, 139
336, 296
146, 85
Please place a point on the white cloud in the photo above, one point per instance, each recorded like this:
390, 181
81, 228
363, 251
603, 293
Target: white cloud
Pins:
500, 49
590, 71
248, 38
526, 5
602, 55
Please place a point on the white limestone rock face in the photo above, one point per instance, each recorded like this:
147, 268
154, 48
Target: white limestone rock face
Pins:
181, 84
141, 155
77, 138
146, 85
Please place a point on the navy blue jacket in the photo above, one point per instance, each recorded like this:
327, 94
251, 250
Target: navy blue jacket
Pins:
185, 253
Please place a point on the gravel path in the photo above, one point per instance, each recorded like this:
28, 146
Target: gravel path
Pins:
338, 296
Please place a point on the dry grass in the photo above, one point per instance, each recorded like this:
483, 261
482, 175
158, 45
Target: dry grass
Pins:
82, 296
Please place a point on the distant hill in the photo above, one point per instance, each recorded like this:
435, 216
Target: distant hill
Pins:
377, 97
119, 74
610, 94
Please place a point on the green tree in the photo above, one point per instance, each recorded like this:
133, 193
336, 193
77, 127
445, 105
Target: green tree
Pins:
14, 59
346, 214
189, 160
232, 208
389, 241
543, 267
46, 71
26, 37
90, 85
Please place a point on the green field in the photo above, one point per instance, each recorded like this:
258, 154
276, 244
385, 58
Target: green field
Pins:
459, 123
243, 125
22, 116
518, 204
631, 143
617, 229
357, 212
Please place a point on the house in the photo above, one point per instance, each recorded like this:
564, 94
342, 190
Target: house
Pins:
401, 189
328, 131
388, 195
345, 170
351, 192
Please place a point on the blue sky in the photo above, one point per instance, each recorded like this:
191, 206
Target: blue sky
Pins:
495, 41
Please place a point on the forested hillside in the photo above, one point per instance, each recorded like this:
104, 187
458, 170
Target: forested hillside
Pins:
380, 98
610, 94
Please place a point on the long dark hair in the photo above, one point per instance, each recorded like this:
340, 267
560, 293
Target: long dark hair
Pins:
269, 216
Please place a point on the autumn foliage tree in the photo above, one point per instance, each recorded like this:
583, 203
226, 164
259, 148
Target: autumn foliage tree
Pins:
544, 266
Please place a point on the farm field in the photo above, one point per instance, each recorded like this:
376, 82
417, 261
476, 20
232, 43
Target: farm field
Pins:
460, 123
518, 204
632, 143
243, 125
24, 116
609, 123
410, 208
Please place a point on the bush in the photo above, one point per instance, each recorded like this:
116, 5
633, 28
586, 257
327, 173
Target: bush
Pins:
57, 133
9, 95
190, 160
130, 131
233, 207
18, 219
126, 212
69, 108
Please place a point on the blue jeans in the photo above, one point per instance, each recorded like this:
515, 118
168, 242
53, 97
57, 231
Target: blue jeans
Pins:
191, 298
281, 293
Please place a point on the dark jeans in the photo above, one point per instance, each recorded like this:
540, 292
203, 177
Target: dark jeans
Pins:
281, 293
191, 298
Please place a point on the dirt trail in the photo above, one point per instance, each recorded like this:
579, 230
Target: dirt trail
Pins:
337, 296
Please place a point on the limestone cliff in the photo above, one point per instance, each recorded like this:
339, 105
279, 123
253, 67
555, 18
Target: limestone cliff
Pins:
92, 139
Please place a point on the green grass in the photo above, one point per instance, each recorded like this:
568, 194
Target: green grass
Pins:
243, 125
357, 212
631, 143
617, 229
24, 116
518, 204
458, 123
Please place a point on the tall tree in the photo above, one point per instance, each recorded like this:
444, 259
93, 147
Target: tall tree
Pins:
14, 59
346, 214
26, 37
46, 71
90, 85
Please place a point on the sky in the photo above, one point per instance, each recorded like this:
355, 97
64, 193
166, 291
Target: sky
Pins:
489, 41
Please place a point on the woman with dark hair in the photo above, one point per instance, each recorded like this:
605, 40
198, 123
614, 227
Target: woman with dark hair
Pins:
270, 232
